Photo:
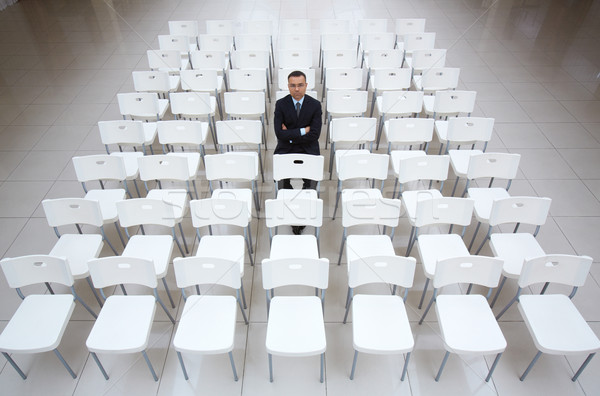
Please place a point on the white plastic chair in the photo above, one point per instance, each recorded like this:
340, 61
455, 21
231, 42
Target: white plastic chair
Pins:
155, 81
254, 59
259, 27
341, 79
345, 103
379, 323
466, 322
142, 106
418, 41
555, 324
247, 105
338, 58
387, 79
361, 207
382, 41
397, 104
40, 321
127, 133
295, 59
181, 167
185, 28
294, 41
294, 318
425, 59
170, 61
449, 103
385, 60
294, 26
474, 164
298, 166
211, 60
294, 208
195, 106
249, 80
408, 132
124, 323
409, 25
415, 165
232, 133
336, 42
207, 324
234, 167
464, 131
170, 42
332, 26
356, 131
183, 133
257, 44
366, 26
204, 80
103, 167
216, 42
220, 26
437, 79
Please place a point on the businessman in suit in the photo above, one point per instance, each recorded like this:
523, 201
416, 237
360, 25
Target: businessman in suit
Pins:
297, 125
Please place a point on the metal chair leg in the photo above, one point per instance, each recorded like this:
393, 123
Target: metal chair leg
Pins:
185, 374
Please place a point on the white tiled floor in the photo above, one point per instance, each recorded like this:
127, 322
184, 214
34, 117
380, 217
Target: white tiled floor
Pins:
536, 67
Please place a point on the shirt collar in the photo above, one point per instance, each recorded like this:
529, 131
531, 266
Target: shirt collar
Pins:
301, 101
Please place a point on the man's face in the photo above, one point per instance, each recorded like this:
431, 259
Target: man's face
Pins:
297, 86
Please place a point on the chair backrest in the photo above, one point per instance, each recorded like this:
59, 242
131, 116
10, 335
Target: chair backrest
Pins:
331, 26
284, 73
253, 42
211, 211
121, 132
251, 59
258, 27
295, 41
140, 211
159, 59
360, 210
182, 132
391, 79
164, 167
244, 103
409, 25
444, 210
525, 210
194, 104
357, 130
564, 269
402, 102
409, 130
335, 58
339, 41
191, 271
417, 41
469, 129
232, 132
356, 164
67, 211
184, 28
347, 101
118, 270
232, 166
215, 42
208, 59
292, 26
199, 80
377, 41
479, 270
440, 78
343, 78
371, 26
39, 268
247, 80
220, 26
141, 104
294, 166
295, 272
500, 165
151, 81
295, 59
99, 167
428, 58
174, 43
394, 270
385, 58
423, 167
454, 101
294, 211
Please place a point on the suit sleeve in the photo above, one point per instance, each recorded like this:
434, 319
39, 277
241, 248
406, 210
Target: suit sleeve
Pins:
315, 123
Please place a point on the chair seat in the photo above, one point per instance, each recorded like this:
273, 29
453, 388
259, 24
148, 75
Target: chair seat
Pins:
230, 247
241, 194
123, 325
296, 326
132, 170
193, 162
397, 155
78, 249
556, 325
468, 325
157, 248
410, 198
380, 325
38, 324
176, 197
459, 159
108, 202
296, 246
484, 199
514, 249
358, 246
207, 325
433, 248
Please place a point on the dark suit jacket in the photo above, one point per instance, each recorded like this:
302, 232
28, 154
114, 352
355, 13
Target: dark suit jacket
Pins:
290, 140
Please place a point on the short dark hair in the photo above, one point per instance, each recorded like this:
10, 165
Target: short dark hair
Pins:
297, 73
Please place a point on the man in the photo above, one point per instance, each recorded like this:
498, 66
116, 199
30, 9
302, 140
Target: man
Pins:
297, 126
